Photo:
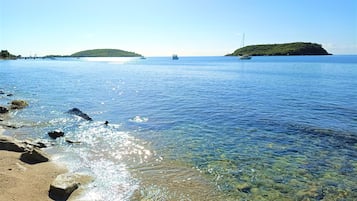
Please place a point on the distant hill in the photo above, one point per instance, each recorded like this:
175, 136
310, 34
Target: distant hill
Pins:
4, 54
105, 53
298, 48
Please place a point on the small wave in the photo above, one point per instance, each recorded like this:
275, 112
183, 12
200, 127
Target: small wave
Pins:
105, 153
139, 119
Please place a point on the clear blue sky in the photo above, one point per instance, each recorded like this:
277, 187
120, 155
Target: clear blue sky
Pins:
164, 27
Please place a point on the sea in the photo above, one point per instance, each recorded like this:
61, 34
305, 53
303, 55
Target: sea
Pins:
197, 128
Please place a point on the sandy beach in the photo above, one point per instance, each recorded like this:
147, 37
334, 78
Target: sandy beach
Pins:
21, 181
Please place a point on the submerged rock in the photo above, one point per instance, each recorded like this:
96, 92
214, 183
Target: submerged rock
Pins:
3, 110
30, 143
55, 134
34, 156
18, 104
244, 187
78, 112
63, 186
72, 142
10, 126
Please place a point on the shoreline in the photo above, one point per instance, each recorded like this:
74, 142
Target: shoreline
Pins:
23, 181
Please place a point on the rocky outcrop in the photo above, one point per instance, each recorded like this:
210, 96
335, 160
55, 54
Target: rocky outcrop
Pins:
31, 154
34, 156
11, 144
63, 186
55, 134
78, 112
18, 104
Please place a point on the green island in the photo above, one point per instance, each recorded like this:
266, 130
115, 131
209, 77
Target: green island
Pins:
4, 54
297, 48
105, 53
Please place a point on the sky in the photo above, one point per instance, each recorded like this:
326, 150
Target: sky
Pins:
166, 27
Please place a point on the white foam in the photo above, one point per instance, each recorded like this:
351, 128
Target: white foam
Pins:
103, 153
139, 119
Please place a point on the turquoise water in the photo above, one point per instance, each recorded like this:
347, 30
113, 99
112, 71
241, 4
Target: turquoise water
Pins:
199, 128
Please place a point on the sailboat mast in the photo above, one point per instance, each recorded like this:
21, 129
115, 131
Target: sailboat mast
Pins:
244, 56
243, 39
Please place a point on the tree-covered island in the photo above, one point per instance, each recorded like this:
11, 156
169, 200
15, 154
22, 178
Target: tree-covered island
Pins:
297, 48
4, 54
105, 53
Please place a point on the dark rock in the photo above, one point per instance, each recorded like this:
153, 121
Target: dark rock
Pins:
40, 145
55, 134
32, 144
9, 95
72, 142
3, 110
34, 156
63, 186
78, 112
18, 104
1, 92
11, 144
11, 126
244, 187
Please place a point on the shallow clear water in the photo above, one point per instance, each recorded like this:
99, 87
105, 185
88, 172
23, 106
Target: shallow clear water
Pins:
199, 128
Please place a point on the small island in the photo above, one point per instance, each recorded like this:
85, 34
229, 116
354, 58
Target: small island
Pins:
297, 48
105, 53
4, 54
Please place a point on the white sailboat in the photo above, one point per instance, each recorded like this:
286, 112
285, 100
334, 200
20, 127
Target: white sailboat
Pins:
244, 56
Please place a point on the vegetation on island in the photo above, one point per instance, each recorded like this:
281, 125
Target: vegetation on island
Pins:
4, 54
105, 53
297, 48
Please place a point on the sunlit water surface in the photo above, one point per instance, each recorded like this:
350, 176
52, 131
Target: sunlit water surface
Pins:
198, 128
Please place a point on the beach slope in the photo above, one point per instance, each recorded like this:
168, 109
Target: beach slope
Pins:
21, 181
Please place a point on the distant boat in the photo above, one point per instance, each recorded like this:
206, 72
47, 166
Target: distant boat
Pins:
175, 57
244, 56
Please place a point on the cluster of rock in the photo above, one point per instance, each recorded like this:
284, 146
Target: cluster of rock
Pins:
31, 153
3, 93
63, 186
59, 133
14, 105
